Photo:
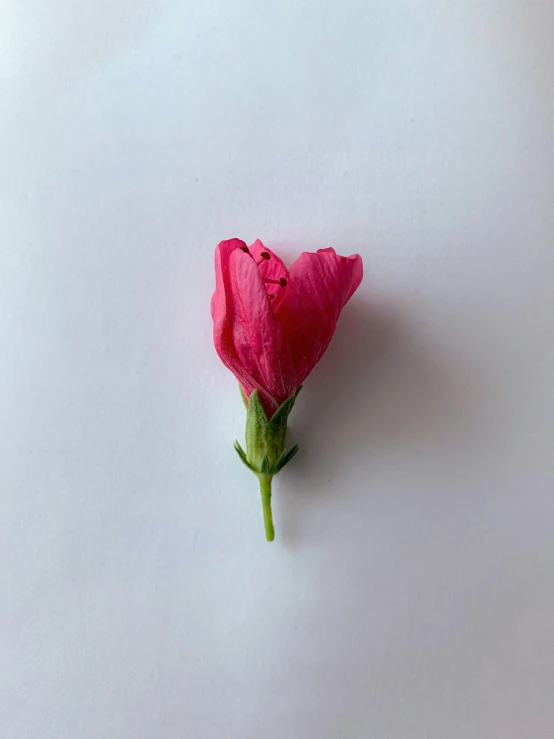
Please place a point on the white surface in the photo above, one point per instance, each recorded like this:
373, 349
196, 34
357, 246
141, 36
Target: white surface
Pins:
410, 592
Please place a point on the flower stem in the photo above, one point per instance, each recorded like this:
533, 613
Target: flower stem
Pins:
265, 489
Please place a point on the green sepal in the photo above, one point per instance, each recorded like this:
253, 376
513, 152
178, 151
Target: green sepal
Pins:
265, 438
284, 459
278, 421
256, 431
242, 454
243, 396
279, 463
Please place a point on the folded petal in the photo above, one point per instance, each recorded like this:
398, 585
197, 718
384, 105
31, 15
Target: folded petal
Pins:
319, 286
247, 336
273, 269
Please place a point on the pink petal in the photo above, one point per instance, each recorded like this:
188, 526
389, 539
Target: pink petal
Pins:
247, 336
320, 285
271, 269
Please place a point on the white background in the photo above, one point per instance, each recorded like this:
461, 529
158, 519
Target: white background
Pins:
410, 591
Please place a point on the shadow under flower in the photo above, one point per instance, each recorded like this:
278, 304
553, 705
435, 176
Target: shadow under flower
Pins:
381, 389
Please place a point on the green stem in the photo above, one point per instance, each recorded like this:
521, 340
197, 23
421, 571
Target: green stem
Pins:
265, 489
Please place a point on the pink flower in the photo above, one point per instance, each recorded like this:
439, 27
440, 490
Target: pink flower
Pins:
272, 326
